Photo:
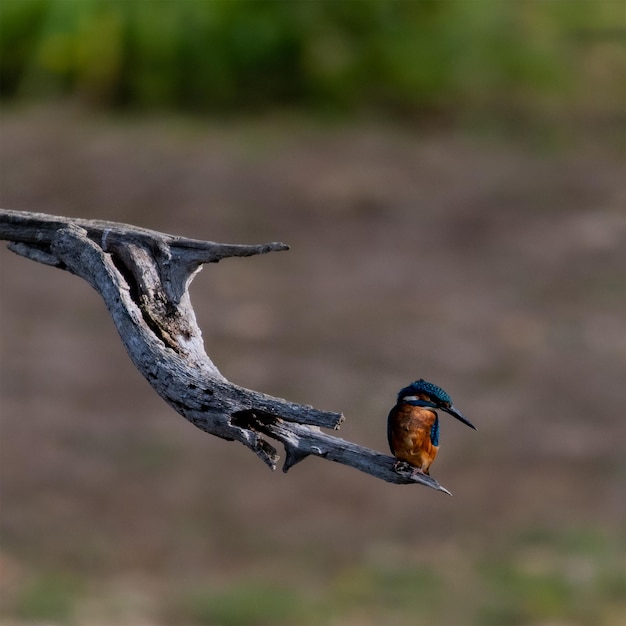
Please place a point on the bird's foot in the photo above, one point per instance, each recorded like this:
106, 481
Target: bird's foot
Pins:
402, 467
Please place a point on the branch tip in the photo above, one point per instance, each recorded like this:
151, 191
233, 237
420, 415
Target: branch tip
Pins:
292, 458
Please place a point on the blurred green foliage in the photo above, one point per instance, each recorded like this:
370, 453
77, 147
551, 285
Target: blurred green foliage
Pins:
544, 576
541, 576
401, 56
248, 604
49, 598
573, 577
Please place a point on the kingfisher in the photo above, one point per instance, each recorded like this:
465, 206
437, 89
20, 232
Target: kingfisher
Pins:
413, 424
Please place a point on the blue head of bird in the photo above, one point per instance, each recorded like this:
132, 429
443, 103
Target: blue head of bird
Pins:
425, 394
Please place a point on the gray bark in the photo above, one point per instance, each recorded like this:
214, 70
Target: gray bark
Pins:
143, 277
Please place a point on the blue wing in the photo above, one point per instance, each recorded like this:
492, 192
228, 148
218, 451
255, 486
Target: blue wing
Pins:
434, 432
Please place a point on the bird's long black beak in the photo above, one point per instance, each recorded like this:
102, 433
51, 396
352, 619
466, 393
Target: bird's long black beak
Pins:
458, 416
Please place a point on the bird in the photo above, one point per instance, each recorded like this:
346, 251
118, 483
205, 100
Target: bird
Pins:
413, 424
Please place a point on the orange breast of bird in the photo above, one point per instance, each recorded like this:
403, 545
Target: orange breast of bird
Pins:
409, 429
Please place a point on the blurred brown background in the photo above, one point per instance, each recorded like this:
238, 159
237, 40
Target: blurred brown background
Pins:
480, 247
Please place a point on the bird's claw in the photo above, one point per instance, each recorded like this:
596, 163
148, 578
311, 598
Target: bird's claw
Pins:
402, 467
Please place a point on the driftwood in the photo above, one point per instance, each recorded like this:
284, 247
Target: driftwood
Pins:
143, 277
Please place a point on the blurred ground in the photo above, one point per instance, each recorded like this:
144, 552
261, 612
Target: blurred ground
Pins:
493, 270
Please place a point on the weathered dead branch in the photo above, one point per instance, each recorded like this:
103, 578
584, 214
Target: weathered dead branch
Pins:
143, 277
